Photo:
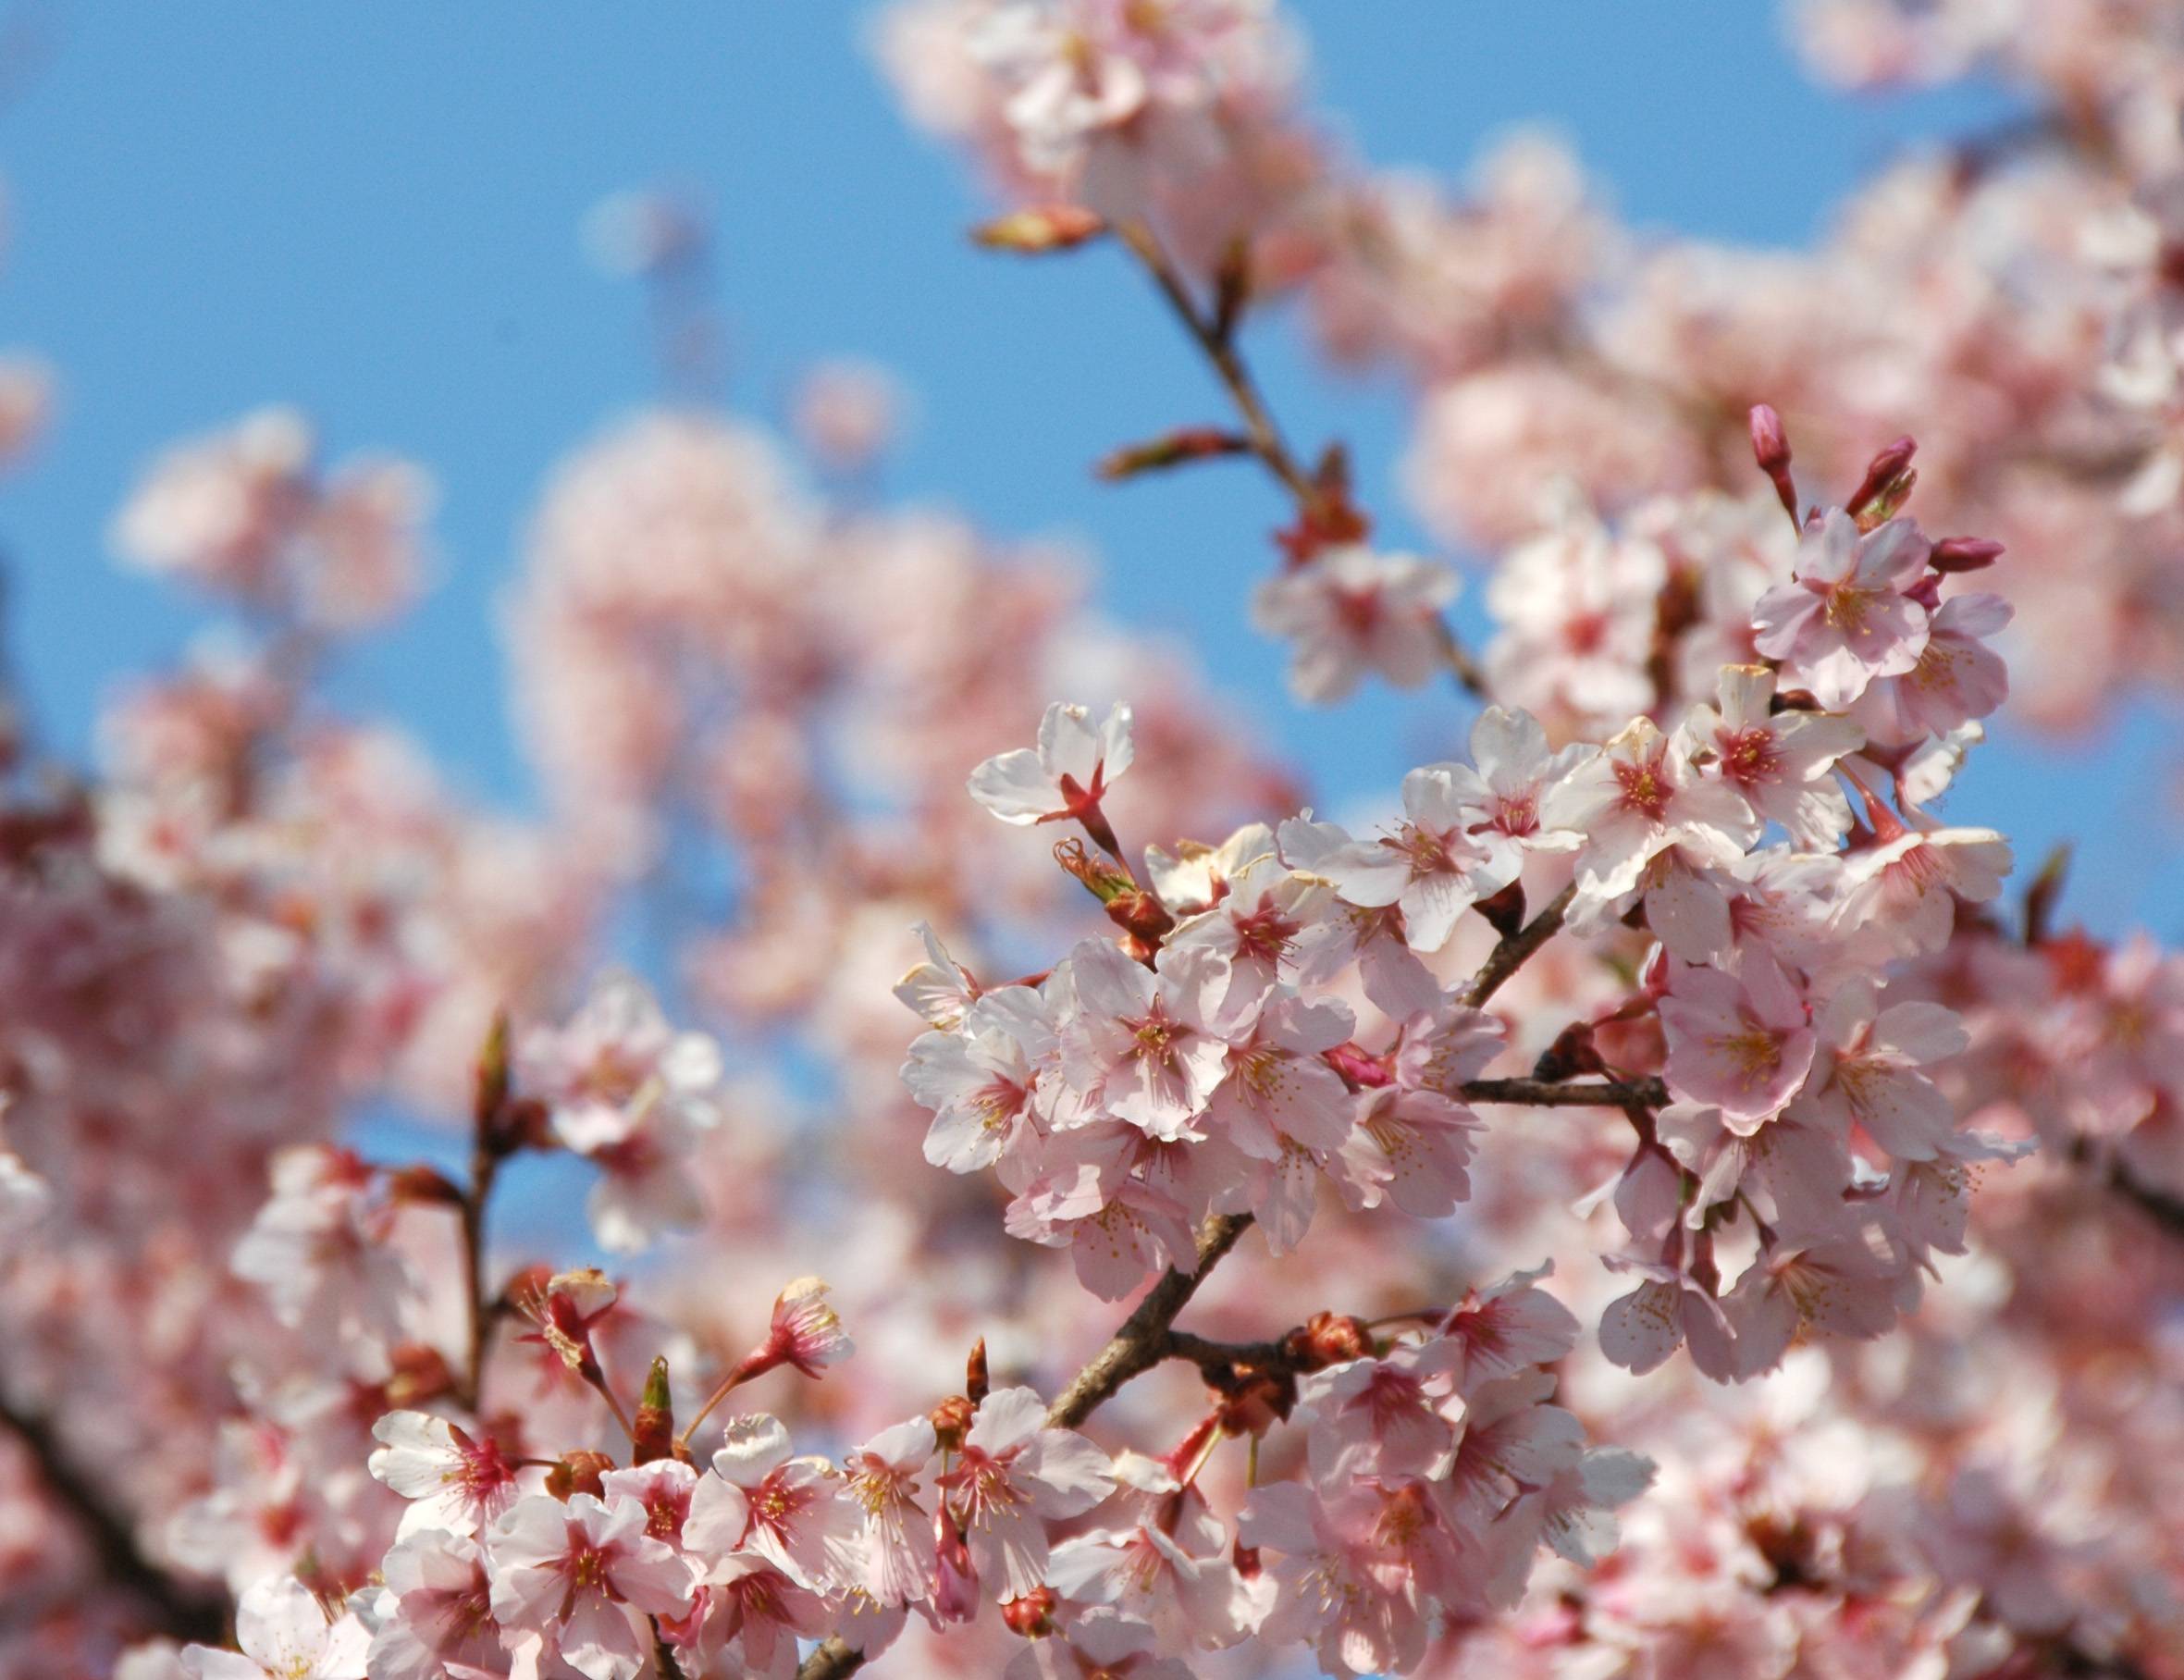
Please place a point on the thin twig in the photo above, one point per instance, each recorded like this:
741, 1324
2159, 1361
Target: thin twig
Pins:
1575, 1093
1216, 341
485, 1167
1517, 949
180, 1609
1220, 350
2163, 1207
1136, 1346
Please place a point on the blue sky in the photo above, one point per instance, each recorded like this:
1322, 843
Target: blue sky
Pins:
373, 212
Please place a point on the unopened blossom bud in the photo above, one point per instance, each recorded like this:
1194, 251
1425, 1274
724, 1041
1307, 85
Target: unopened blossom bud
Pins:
1963, 554
1358, 1066
1145, 918
491, 1088
652, 1430
420, 1374
1329, 1338
1504, 911
1572, 1053
1031, 1616
578, 1472
1883, 474
955, 1579
977, 1382
1174, 448
1771, 448
1257, 1402
951, 1421
1039, 229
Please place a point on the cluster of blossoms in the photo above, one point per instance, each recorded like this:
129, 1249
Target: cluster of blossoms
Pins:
1677, 988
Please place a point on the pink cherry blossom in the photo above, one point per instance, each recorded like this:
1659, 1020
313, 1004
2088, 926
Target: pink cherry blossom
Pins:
284, 1635
1013, 1476
452, 1482
1779, 763
581, 1571
1846, 618
1741, 1043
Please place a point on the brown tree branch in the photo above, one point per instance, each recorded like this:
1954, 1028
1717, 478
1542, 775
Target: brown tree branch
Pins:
1215, 339
1138, 1345
1577, 1094
178, 1609
1518, 948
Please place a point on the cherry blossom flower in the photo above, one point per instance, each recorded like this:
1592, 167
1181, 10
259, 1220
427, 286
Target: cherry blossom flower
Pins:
633, 1095
1639, 1330
1958, 677
1066, 777
1333, 1590
1269, 925
1014, 1475
440, 1621
1846, 618
1779, 762
1195, 877
1642, 796
804, 1331
452, 1482
978, 1079
1098, 1642
1901, 894
1411, 1148
1741, 1043
1868, 1072
284, 1635
883, 1479
1432, 866
580, 1571
1507, 1326
1143, 1045
1511, 770
791, 1511
1349, 611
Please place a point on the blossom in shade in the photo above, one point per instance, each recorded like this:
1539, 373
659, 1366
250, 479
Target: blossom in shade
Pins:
439, 1621
882, 1481
1098, 1642
1901, 893
1743, 1043
284, 1635
1958, 677
1846, 617
1868, 1072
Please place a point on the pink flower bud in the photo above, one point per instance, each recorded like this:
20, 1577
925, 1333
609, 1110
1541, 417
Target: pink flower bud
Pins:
1964, 554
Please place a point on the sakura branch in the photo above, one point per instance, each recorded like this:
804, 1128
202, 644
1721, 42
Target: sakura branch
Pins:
1339, 1226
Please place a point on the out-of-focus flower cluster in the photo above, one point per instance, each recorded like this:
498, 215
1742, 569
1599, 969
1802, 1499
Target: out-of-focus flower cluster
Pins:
1851, 1191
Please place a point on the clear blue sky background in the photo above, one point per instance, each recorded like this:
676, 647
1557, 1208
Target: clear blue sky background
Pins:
373, 211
